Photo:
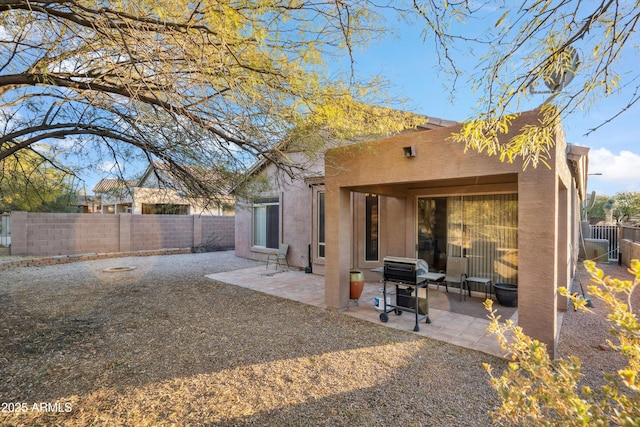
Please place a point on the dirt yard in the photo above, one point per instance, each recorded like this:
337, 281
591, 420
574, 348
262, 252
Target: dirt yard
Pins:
162, 345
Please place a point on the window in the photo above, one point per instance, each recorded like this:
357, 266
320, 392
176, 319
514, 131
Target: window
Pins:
164, 209
321, 238
266, 220
371, 227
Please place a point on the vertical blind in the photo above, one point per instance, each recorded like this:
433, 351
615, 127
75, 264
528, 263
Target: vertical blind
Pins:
485, 230
260, 225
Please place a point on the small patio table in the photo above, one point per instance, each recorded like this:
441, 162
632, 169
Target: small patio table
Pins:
486, 282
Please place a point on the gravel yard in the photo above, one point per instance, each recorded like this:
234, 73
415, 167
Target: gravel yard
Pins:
160, 344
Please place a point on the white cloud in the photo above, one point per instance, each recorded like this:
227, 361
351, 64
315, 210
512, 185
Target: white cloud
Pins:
620, 172
106, 166
68, 143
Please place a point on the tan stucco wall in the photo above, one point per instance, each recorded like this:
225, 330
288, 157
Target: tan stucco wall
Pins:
545, 210
395, 220
295, 198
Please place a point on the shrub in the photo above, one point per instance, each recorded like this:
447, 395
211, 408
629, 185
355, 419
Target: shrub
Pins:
538, 391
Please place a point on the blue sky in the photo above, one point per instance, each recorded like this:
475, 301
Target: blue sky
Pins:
411, 64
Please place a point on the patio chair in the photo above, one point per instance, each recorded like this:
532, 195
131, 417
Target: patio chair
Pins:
280, 257
456, 273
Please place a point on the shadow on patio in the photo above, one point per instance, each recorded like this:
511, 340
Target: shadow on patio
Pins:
448, 323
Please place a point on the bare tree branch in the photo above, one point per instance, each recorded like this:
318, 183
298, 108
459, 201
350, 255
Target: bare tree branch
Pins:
529, 42
223, 82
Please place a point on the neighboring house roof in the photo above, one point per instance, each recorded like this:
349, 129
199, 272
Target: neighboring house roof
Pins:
110, 184
165, 173
434, 123
163, 185
85, 200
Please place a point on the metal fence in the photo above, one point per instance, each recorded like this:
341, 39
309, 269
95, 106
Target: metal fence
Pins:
609, 233
5, 230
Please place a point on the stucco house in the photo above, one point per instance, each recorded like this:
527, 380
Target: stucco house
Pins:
420, 195
113, 195
156, 192
288, 211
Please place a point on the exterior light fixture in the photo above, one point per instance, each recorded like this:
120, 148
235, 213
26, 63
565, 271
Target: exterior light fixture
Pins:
409, 151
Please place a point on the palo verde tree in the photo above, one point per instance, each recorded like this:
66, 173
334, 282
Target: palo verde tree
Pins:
531, 48
30, 183
622, 207
217, 84
627, 205
537, 391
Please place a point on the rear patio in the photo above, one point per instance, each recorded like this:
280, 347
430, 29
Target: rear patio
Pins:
448, 323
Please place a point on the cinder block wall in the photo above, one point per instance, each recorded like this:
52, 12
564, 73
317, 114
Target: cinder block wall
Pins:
160, 231
629, 250
45, 234
41, 234
217, 232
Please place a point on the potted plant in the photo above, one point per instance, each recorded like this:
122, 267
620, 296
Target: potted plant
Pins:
356, 284
506, 294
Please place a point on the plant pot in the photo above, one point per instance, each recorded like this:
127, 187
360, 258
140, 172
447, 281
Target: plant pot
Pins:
506, 294
356, 284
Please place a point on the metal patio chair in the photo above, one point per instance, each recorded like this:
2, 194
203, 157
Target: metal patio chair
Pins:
280, 257
456, 273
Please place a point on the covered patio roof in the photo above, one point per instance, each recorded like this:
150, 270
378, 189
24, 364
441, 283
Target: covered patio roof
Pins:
495, 184
431, 164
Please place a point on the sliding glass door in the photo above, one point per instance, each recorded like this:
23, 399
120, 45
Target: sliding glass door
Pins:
483, 228
432, 232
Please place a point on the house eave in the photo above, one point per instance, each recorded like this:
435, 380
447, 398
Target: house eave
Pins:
578, 162
314, 180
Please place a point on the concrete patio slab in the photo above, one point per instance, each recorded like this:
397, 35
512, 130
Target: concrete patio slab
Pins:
458, 329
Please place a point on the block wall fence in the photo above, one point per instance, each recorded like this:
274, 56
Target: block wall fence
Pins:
629, 241
47, 234
629, 250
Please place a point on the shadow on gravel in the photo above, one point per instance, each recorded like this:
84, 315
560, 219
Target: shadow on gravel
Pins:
131, 348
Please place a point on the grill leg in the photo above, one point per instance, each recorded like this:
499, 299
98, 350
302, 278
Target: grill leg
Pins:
417, 310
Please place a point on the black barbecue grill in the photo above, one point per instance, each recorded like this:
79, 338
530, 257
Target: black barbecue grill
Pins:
408, 275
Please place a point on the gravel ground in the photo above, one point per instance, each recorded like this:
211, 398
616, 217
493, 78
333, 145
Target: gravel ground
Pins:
162, 345
585, 334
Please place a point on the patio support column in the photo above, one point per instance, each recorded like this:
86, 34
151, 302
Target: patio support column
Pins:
538, 255
338, 244
564, 246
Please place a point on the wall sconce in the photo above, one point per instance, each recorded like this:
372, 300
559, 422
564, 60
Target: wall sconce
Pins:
409, 151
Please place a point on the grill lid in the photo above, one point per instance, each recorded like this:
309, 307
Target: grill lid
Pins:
404, 270
421, 265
